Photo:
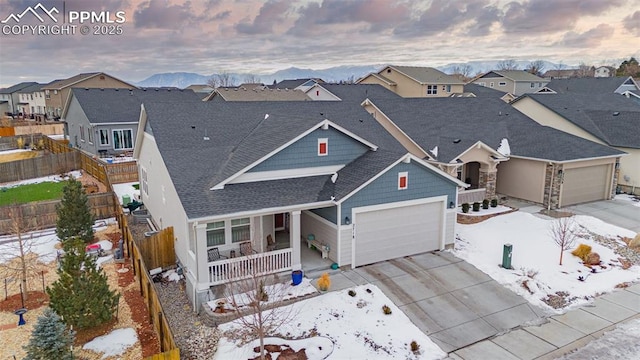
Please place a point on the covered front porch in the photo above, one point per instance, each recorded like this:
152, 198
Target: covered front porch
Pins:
265, 244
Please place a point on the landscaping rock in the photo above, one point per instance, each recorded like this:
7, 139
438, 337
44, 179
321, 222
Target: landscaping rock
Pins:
592, 259
635, 243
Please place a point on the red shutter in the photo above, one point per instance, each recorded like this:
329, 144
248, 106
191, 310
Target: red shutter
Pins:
403, 182
323, 148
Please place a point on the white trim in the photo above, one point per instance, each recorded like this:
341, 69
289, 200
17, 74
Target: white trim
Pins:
568, 161
324, 141
142, 122
480, 145
413, 158
370, 103
113, 146
108, 137
115, 123
321, 219
364, 209
325, 89
325, 122
265, 211
286, 174
404, 174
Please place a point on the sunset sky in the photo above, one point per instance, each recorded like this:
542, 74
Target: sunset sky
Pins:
264, 36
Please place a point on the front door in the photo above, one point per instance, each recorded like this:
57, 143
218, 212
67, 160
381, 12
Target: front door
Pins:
278, 221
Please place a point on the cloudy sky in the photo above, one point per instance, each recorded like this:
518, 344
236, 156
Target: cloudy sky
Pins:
264, 36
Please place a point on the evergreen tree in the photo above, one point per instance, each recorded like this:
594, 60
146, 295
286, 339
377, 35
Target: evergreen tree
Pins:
50, 339
74, 215
81, 294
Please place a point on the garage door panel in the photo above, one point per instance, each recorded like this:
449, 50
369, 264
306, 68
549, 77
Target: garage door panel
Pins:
585, 184
397, 232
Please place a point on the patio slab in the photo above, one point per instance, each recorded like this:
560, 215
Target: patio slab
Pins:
488, 298
609, 311
628, 299
511, 318
523, 345
556, 333
485, 350
458, 276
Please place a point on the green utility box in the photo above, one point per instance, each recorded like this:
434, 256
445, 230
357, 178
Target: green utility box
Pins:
126, 199
506, 256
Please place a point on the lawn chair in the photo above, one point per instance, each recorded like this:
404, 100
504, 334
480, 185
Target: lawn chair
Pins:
246, 249
213, 254
271, 244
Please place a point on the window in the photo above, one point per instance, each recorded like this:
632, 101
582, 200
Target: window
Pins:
403, 180
491, 84
90, 134
82, 132
122, 139
448, 88
104, 137
482, 83
47, 95
145, 184
55, 92
502, 83
323, 147
240, 230
432, 89
532, 85
215, 233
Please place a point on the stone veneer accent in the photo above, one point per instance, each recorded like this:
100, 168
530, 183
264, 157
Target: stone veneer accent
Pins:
616, 174
487, 180
552, 173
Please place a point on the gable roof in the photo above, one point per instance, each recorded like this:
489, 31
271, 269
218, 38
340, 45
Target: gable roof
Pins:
425, 75
18, 87
262, 94
123, 105
293, 83
359, 92
483, 91
32, 88
454, 124
239, 135
587, 85
61, 84
378, 76
610, 117
514, 75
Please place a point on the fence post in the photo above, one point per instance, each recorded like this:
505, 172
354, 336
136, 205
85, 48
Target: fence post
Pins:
139, 278
149, 303
161, 330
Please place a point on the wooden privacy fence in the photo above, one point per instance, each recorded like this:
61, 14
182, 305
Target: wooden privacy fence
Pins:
46, 165
125, 172
158, 250
43, 213
168, 348
56, 146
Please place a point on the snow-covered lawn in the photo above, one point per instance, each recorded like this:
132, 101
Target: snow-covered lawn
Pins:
51, 178
114, 343
281, 292
338, 325
535, 258
126, 189
635, 200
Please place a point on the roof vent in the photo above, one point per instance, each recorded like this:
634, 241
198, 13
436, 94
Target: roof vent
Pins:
616, 113
456, 141
193, 126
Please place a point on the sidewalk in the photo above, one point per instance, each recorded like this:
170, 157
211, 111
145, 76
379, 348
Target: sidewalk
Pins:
561, 334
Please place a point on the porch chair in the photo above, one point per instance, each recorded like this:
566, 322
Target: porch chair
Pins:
271, 244
246, 249
213, 254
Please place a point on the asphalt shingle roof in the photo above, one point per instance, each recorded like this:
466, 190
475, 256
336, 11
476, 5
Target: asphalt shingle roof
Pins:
242, 94
292, 83
442, 122
483, 91
595, 114
123, 105
61, 84
17, 87
516, 75
239, 135
427, 75
587, 85
359, 92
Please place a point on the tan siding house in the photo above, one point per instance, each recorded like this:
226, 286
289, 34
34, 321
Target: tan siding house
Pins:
413, 81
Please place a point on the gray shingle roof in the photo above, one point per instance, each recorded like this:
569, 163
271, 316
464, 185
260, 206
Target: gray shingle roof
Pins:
17, 87
61, 84
587, 85
595, 114
123, 105
292, 83
241, 94
515, 75
483, 91
438, 122
426, 75
359, 92
239, 135
32, 88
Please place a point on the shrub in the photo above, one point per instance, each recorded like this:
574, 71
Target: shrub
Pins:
476, 206
386, 310
494, 202
485, 204
20, 143
582, 251
352, 293
635, 243
415, 347
324, 282
465, 208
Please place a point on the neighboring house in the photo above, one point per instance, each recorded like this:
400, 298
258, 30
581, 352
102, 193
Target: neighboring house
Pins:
32, 102
349, 92
498, 150
589, 85
104, 122
604, 71
560, 74
515, 82
255, 94
479, 91
605, 118
202, 90
14, 103
238, 172
298, 84
414, 81
57, 92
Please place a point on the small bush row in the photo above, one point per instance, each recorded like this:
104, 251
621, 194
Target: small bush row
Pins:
476, 205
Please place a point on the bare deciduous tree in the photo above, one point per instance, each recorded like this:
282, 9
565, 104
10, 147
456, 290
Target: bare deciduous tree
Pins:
508, 64
536, 67
463, 72
563, 232
223, 79
259, 297
585, 70
251, 79
19, 260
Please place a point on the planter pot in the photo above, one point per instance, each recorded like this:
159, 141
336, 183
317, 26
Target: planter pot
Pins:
296, 277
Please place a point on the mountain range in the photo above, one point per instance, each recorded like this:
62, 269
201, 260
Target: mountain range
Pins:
333, 74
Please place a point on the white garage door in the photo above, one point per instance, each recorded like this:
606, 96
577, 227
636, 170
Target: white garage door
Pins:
585, 184
400, 231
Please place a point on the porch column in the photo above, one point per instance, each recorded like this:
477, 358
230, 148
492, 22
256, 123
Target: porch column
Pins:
201, 253
487, 180
295, 240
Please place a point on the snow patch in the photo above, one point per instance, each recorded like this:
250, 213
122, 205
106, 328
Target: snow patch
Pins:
434, 151
504, 147
114, 343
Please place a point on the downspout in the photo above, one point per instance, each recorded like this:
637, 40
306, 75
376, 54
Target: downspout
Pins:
195, 285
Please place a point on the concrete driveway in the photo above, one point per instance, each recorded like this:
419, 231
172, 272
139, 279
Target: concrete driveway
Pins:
617, 212
450, 300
